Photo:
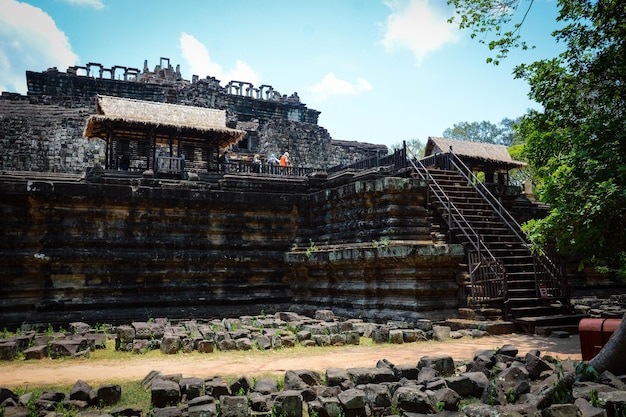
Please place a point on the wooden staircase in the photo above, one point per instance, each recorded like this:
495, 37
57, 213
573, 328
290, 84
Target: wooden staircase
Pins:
528, 288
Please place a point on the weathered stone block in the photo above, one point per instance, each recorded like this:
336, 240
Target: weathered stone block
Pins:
36, 352
412, 400
109, 394
8, 351
288, 403
231, 406
170, 344
191, 387
164, 392
443, 364
206, 346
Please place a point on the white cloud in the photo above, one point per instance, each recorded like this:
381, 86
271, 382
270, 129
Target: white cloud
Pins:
420, 26
332, 86
199, 63
96, 4
29, 40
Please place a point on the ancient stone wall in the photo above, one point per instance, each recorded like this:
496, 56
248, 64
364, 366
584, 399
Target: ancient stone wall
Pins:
135, 248
365, 247
43, 131
46, 138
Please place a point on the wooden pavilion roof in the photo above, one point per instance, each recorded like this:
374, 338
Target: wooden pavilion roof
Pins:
474, 154
140, 120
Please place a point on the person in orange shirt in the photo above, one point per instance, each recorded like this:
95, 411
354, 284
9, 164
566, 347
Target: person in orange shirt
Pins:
285, 163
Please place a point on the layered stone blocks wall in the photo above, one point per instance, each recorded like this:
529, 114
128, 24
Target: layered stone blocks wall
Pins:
76, 250
46, 138
136, 248
366, 250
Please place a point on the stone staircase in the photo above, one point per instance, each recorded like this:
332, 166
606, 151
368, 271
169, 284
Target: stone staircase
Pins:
527, 293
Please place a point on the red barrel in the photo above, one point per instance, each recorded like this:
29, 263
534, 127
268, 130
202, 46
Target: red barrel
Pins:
594, 333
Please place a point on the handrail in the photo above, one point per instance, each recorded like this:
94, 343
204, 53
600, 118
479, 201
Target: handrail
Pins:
453, 161
504, 214
456, 217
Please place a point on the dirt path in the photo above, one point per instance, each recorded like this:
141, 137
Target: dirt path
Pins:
276, 362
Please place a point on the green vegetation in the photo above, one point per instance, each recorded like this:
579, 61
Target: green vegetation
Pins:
575, 145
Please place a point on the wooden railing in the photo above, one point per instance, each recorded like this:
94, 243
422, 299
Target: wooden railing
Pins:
396, 161
246, 167
550, 281
488, 280
172, 165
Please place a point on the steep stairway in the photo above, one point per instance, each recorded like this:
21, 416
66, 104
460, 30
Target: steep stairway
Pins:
527, 288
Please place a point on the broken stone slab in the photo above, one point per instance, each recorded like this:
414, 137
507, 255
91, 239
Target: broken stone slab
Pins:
234, 406
407, 371
443, 364
266, 386
8, 350
78, 327
97, 340
141, 346
206, 346
171, 411
461, 384
561, 410
243, 343
170, 344
535, 365
336, 376
36, 352
380, 334
337, 339
449, 398
191, 387
146, 382
241, 386
614, 402
66, 347
125, 333
288, 403
109, 394
426, 374
164, 392
413, 400
353, 401
589, 410
263, 342
202, 410
143, 330
441, 333
325, 315
216, 387
377, 396
82, 391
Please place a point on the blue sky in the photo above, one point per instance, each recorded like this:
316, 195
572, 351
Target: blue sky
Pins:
379, 71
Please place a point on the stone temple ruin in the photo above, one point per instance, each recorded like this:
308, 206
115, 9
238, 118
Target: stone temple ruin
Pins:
58, 103
350, 228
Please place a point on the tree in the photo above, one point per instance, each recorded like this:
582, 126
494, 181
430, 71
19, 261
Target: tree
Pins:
414, 147
576, 143
485, 132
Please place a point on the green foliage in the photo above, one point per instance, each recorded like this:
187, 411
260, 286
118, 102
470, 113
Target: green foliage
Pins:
415, 147
312, 248
576, 144
380, 243
593, 398
494, 23
485, 132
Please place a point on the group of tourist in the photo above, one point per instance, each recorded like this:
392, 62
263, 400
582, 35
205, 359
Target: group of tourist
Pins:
274, 165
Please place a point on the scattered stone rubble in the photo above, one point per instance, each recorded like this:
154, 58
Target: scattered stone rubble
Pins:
496, 382
263, 332
613, 306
